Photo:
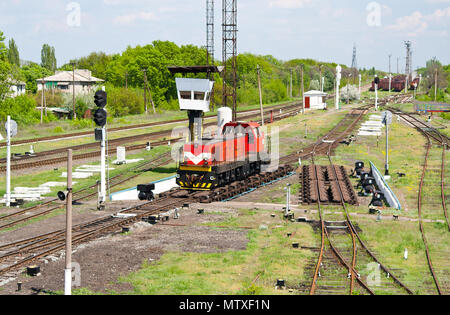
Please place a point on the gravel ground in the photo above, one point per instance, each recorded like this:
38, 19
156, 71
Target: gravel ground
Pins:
105, 260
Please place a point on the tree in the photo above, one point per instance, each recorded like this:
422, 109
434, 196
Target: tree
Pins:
13, 53
48, 59
31, 73
434, 67
4, 70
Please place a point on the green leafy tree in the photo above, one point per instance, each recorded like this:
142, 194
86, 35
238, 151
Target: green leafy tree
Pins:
4, 70
31, 73
13, 53
48, 58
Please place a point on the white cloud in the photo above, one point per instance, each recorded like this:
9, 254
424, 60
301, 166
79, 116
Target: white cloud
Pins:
134, 17
418, 23
289, 4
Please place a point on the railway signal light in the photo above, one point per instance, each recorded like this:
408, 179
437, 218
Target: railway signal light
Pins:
100, 99
62, 195
100, 117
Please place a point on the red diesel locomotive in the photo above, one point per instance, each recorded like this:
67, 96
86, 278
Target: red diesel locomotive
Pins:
237, 153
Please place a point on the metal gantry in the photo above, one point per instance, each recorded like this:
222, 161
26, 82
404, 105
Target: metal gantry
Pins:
209, 32
229, 54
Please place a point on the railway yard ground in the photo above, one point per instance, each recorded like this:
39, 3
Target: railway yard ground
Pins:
245, 245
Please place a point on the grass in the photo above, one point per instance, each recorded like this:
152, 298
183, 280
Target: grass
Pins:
35, 180
268, 255
66, 126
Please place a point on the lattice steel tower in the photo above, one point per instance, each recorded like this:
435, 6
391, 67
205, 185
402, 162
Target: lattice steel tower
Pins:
209, 32
408, 59
354, 60
229, 53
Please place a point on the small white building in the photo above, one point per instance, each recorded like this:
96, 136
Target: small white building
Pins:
63, 81
17, 88
315, 100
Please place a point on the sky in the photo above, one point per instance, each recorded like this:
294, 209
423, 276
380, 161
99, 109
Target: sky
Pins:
325, 30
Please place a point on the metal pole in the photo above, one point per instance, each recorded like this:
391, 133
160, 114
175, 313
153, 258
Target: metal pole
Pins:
390, 75
376, 97
258, 69
387, 149
8, 163
360, 79
291, 85
145, 91
42, 102
68, 270
303, 91
288, 199
435, 84
73, 83
103, 167
321, 81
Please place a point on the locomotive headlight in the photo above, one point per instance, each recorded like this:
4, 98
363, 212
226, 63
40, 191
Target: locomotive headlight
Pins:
178, 176
212, 178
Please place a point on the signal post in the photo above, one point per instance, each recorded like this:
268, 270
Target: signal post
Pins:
100, 119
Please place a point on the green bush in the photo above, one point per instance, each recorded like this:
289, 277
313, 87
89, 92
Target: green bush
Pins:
123, 102
23, 110
83, 124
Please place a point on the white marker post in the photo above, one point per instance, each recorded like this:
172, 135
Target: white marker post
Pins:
288, 200
360, 79
8, 162
338, 83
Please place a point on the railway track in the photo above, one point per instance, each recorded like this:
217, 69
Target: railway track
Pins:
127, 128
16, 255
35, 248
45, 158
432, 136
11, 255
87, 193
329, 228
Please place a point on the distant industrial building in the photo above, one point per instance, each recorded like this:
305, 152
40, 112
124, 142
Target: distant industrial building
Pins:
62, 81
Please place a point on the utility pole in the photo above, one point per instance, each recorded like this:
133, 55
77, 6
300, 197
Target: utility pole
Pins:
291, 85
321, 81
258, 69
8, 162
42, 101
390, 74
145, 90
126, 80
348, 92
338, 83
68, 269
303, 90
73, 84
435, 83
149, 93
360, 79
377, 80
